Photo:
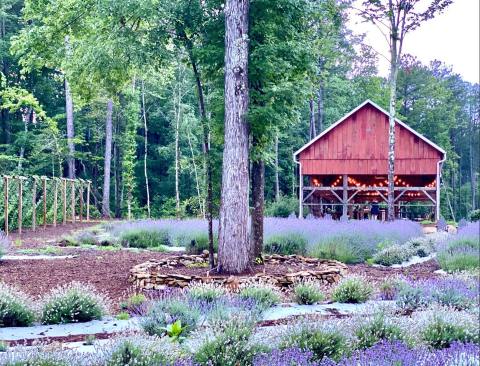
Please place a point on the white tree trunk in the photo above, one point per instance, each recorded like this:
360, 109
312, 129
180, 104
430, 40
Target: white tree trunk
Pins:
70, 127
233, 251
108, 161
201, 201
178, 115
145, 155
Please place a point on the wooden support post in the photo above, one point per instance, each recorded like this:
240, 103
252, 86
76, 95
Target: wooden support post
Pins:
73, 201
345, 197
5, 191
81, 201
437, 193
64, 199
55, 203
34, 204
88, 201
44, 184
20, 204
300, 193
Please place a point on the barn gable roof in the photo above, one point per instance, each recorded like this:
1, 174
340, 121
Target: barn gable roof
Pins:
344, 118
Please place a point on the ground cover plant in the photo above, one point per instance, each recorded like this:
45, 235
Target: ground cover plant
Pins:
16, 308
307, 292
460, 252
352, 289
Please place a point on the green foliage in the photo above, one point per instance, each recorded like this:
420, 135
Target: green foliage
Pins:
377, 329
307, 293
393, 254
198, 242
322, 342
145, 238
230, 347
440, 334
129, 354
284, 207
73, 303
263, 294
122, 316
165, 312
411, 298
352, 289
205, 292
175, 330
460, 255
16, 309
133, 301
474, 215
290, 243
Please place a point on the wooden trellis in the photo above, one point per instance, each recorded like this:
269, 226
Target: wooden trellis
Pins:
59, 201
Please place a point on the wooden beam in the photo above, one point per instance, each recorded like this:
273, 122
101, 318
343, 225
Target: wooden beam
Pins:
300, 193
44, 184
308, 195
353, 195
400, 195
345, 196
20, 204
430, 197
34, 204
88, 200
383, 197
5, 202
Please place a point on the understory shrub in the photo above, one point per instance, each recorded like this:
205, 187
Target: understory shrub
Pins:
230, 347
474, 215
263, 294
352, 289
286, 244
145, 238
73, 303
284, 207
208, 292
393, 254
168, 311
321, 342
307, 292
198, 242
341, 249
379, 328
16, 309
441, 334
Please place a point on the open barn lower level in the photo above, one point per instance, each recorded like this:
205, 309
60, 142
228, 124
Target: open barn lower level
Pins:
365, 196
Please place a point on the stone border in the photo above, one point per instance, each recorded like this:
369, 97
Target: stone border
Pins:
146, 276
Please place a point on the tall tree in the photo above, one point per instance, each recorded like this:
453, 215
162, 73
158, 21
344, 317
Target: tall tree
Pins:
397, 18
233, 238
107, 161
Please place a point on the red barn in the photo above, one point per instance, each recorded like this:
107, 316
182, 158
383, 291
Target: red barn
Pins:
347, 165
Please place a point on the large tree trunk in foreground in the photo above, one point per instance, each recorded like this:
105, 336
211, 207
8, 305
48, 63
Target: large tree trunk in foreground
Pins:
258, 198
108, 161
233, 251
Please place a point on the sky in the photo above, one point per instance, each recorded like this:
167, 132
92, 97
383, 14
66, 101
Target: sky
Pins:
451, 37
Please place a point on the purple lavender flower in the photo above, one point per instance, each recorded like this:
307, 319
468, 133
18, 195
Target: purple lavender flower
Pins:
286, 357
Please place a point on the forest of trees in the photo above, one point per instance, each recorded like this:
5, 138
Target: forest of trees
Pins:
130, 94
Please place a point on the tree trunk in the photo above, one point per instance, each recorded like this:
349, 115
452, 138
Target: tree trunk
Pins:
177, 151
201, 203
473, 176
258, 198
70, 127
108, 161
391, 129
234, 248
313, 131
320, 107
145, 154
117, 172
277, 180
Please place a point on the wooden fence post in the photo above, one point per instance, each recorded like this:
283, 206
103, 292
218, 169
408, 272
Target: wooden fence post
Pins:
55, 202
73, 201
44, 184
81, 201
20, 203
5, 199
88, 201
34, 203
64, 199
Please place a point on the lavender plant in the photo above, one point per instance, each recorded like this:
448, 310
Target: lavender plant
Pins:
352, 289
460, 252
377, 328
16, 308
208, 292
286, 357
72, 303
307, 292
264, 294
4, 244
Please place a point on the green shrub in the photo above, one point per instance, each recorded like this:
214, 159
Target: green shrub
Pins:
460, 255
129, 354
393, 254
133, 301
73, 303
197, 243
375, 330
166, 312
284, 207
16, 308
323, 343
307, 293
411, 298
341, 248
352, 289
441, 334
263, 294
474, 215
231, 347
145, 238
207, 292
286, 244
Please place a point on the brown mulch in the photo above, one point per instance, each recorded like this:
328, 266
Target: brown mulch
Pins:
418, 271
51, 235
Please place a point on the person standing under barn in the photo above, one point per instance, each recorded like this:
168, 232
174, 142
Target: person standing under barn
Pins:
375, 210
